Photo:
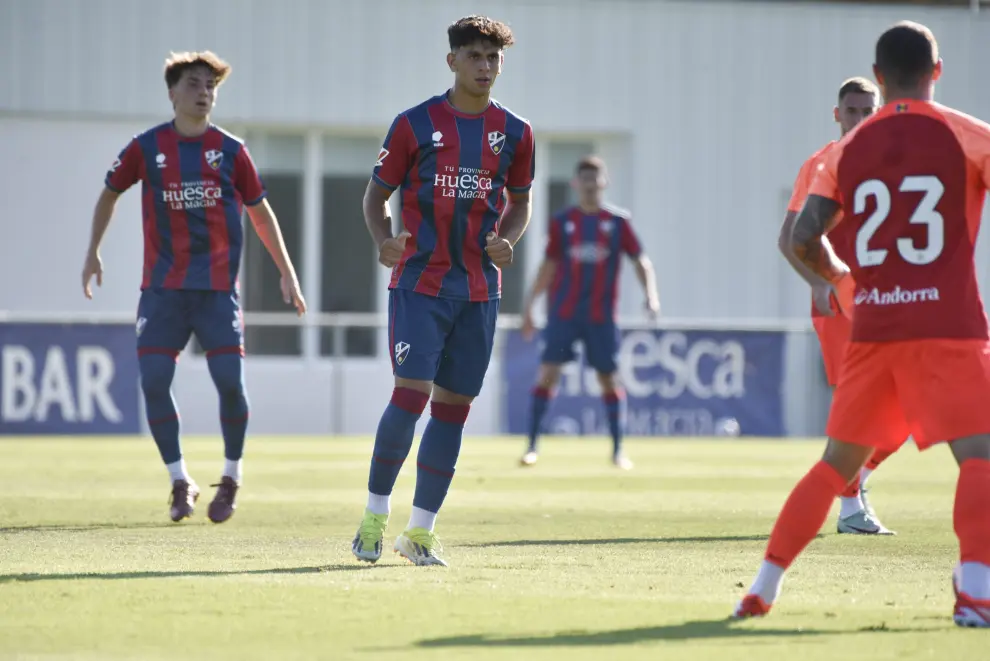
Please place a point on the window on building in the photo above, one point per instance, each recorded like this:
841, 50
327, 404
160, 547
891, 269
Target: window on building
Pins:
350, 269
279, 159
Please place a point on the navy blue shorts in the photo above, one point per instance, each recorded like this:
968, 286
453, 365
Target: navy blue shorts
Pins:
167, 318
441, 340
601, 343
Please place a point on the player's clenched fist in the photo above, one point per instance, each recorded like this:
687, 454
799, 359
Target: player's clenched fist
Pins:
498, 249
390, 252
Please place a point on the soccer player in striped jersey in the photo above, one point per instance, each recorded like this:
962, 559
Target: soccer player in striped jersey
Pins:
581, 271
464, 166
196, 180
858, 99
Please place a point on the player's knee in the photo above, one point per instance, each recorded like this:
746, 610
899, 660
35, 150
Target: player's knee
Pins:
549, 376
846, 458
157, 372
972, 447
227, 373
608, 382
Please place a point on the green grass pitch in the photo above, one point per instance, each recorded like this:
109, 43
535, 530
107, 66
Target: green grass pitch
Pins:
570, 559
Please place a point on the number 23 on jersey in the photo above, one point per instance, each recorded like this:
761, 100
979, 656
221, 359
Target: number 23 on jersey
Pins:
924, 214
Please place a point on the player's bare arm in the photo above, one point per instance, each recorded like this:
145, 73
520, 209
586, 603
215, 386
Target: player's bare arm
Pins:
266, 225
809, 243
379, 222
647, 277
93, 265
512, 227
544, 276
821, 290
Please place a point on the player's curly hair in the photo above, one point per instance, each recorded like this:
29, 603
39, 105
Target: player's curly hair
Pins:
177, 63
858, 85
906, 53
471, 29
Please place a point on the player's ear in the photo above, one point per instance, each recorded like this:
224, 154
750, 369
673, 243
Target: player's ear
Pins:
835, 114
450, 60
937, 72
878, 77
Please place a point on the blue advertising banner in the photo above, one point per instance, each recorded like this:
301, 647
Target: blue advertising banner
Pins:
678, 383
68, 379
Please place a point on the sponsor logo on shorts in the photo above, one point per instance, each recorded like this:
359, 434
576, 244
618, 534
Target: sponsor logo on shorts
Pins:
141, 323
401, 351
896, 296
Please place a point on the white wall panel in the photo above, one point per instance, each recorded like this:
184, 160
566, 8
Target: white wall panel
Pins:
718, 102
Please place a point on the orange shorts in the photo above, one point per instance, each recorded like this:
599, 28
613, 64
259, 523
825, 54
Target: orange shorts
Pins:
833, 336
934, 390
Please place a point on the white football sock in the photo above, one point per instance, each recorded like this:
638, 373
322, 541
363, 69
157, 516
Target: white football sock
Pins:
850, 506
864, 475
232, 468
379, 504
177, 471
768, 582
421, 518
975, 580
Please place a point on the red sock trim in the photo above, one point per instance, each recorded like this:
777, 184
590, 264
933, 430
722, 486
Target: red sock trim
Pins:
614, 397
852, 490
220, 351
409, 400
160, 351
455, 414
542, 393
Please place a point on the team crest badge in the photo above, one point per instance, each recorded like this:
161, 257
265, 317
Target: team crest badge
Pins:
401, 351
496, 140
901, 107
214, 158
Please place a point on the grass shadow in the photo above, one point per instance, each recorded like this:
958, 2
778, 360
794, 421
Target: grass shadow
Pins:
205, 573
86, 527
703, 629
622, 540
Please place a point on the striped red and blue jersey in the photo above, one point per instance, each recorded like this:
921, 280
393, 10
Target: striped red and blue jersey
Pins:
588, 249
193, 192
454, 170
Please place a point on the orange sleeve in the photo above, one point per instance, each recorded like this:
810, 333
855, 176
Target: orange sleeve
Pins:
826, 182
974, 137
801, 185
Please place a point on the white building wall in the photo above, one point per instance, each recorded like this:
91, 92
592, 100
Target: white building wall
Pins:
705, 111
719, 101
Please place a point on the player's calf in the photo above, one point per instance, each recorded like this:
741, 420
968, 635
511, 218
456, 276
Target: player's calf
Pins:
971, 520
800, 520
226, 367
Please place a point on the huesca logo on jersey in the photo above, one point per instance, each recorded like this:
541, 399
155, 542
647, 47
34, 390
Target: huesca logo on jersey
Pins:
192, 195
589, 253
896, 296
464, 183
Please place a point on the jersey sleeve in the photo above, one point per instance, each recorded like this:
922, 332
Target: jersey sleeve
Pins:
247, 182
802, 184
974, 137
555, 241
628, 240
126, 169
396, 155
523, 167
826, 178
